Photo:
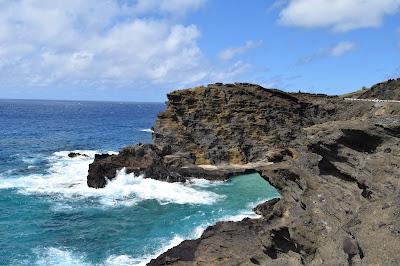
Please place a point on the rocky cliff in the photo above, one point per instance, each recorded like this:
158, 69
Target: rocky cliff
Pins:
388, 90
336, 164
235, 124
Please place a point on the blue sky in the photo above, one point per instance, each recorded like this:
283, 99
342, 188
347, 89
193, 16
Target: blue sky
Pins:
139, 50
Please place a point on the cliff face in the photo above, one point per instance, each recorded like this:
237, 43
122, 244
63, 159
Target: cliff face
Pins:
339, 206
336, 164
232, 124
236, 123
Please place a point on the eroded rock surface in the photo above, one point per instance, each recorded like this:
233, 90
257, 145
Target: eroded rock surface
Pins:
339, 206
336, 164
235, 123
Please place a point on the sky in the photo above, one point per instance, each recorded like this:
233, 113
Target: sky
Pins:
139, 50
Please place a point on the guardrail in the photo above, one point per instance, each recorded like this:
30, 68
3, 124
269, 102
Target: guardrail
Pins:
371, 100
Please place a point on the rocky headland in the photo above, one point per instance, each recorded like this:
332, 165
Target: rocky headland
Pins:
336, 164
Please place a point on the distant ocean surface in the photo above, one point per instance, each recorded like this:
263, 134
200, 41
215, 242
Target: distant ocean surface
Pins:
48, 215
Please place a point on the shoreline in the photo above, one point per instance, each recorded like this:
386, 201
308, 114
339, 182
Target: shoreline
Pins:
333, 161
199, 231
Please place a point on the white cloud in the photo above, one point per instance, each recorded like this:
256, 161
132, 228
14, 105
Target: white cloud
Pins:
231, 52
100, 44
229, 74
340, 49
338, 15
337, 50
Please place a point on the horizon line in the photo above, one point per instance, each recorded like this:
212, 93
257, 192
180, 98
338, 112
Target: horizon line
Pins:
69, 100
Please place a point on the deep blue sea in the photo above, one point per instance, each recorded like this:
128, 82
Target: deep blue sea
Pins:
48, 215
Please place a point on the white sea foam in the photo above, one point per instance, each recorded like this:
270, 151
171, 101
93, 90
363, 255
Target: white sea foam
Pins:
240, 216
197, 232
148, 130
59, 257
30, 160
246, 213
121, 260
142, 261
64, 257
204, 183
146, 189
66, 178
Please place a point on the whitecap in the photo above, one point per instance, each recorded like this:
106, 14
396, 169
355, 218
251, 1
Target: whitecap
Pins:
121, 260
66, 179
61, 207
126, 185
148, 130
204, 183
59, 257
63, 257
142, 261
30, 160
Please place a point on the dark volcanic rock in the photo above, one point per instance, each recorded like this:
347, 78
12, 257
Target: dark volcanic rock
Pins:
322, 217
266, 208
76, 154
336, 164
142, 159
234, 123
149, 161
334, 177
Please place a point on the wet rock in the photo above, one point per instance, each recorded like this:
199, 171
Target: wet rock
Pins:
149, 161
76, 154
141, 160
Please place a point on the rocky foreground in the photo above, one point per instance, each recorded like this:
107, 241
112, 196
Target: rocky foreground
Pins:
336, 164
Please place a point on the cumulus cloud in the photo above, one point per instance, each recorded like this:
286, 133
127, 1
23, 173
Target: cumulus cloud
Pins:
231, 52
337, 50
100, 43
338, 15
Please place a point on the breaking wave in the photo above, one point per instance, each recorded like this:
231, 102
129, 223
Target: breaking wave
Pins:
66, 178
64, 257
59, 257
148, 130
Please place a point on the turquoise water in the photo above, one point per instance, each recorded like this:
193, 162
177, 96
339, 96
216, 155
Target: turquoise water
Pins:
50, 217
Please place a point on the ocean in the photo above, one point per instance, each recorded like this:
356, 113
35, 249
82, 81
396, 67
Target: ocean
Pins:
48, 215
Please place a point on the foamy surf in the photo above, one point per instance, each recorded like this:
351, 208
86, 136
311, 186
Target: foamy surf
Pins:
66, 178
64, 257
150, 189
59, 257
142, 261
148, 130
197, 232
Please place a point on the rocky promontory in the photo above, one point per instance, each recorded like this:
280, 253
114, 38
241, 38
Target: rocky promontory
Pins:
336, 164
